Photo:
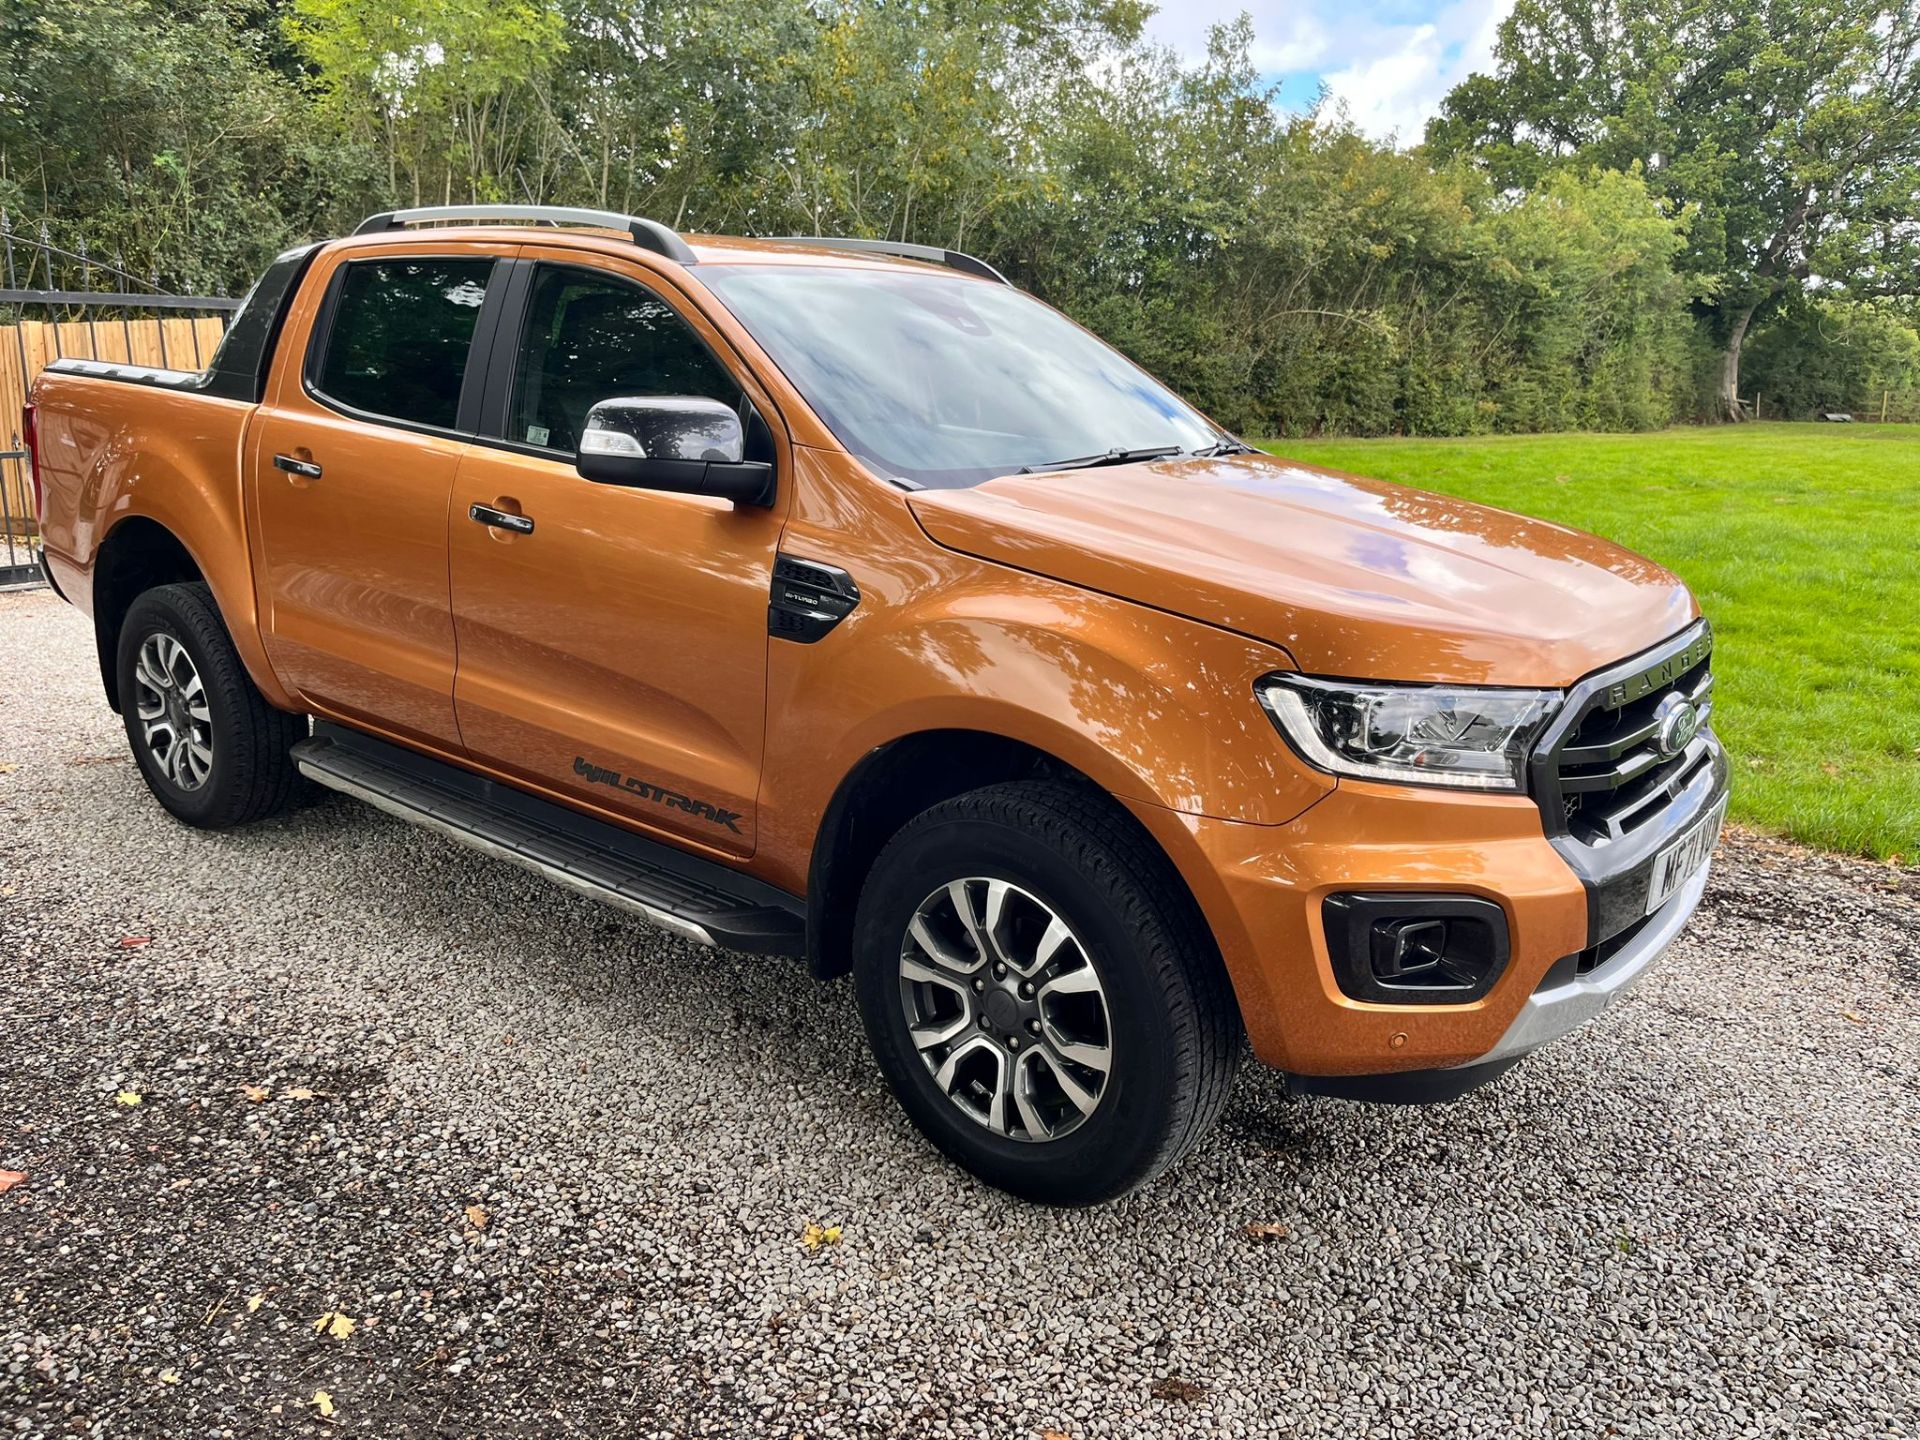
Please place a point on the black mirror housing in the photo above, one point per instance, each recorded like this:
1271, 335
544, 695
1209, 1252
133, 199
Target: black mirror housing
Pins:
682, 444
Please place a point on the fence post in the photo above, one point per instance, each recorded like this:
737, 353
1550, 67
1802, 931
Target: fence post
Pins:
120, 283
165, 363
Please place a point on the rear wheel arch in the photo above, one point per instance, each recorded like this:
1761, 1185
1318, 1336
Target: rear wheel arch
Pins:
136, 556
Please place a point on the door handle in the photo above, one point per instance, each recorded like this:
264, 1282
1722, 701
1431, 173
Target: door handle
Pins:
500, 519
306, 469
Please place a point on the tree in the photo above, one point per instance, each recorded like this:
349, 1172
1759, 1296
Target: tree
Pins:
167, 134
1791, 127
443, 87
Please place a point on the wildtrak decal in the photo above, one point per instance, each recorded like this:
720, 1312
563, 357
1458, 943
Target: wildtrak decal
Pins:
659, 795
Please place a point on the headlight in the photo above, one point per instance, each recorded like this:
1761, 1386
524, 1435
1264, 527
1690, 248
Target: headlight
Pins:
1411, 734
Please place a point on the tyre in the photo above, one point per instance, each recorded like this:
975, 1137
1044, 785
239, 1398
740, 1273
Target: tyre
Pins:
1041, 993
210, 747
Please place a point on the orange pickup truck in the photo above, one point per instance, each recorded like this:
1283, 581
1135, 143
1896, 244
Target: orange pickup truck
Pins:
834, 599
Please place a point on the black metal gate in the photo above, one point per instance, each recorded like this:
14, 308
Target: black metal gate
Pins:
89, 309
20, 555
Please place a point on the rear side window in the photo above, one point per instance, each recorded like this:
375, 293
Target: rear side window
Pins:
400, 335
590, 338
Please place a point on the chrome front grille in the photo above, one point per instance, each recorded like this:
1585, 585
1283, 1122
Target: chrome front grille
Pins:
1609, 765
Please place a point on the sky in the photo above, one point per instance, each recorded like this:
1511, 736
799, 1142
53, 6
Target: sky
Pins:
1390, 61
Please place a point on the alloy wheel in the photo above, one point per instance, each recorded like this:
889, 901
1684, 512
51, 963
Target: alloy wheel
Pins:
1006, 1009
176, 724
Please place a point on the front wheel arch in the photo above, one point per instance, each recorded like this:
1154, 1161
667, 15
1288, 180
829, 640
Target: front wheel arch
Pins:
894, 783
888, 787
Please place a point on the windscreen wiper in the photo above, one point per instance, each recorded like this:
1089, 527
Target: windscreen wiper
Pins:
1226, 446
1105, 457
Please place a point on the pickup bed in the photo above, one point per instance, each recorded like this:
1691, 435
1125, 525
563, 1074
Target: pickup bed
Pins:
834, 599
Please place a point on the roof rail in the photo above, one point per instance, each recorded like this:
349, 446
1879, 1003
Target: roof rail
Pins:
952, 259
647, 234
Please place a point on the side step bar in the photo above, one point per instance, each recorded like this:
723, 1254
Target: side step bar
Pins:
692, 897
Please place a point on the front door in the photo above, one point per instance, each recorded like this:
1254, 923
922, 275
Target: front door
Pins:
352, 464
615, 653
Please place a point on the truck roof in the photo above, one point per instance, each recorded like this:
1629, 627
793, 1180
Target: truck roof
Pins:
542, 224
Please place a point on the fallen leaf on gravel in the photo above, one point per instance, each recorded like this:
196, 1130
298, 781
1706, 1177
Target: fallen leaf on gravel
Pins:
7, 767
1174, 1388
1848, 1014
337, 1325
323, 1402
1055, 1435
254, 1302
477, 1216
1267, 1232
814, 1236
11, 1178
169, 1377
256, 1093
132, 942
297, 1092
127, 1097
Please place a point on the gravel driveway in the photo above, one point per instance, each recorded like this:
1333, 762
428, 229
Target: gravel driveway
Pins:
430, 1145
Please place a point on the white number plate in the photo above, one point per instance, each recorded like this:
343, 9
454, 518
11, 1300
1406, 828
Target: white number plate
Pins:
1673, 866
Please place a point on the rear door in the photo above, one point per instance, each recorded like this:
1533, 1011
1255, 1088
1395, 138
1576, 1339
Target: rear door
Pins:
615, 653
352, 463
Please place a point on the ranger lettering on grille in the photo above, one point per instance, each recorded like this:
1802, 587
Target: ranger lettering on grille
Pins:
659, 794
1663, 674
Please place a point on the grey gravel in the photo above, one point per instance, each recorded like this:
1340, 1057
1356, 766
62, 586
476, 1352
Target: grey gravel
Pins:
1696, 1218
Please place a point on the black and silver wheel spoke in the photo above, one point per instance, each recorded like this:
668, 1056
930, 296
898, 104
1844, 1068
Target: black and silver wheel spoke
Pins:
170, 701
1006, 1009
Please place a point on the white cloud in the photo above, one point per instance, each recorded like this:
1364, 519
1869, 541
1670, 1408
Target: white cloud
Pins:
1301, 43
1388, 62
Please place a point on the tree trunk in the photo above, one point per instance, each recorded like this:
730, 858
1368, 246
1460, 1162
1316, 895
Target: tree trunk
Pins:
1730, 367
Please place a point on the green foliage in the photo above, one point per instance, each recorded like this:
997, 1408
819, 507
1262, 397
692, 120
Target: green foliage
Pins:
1538, 266
1588, 292
1790, 127
443, 89
168, 134
1295, 278
1830, 354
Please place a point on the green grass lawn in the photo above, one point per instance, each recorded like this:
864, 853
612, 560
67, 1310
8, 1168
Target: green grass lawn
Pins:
1803, 545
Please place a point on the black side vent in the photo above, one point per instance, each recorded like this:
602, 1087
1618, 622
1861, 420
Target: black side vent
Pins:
809, 598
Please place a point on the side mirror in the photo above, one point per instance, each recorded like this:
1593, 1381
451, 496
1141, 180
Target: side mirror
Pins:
685, 444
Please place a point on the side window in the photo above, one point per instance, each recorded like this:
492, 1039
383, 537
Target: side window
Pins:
590, 338
398, 344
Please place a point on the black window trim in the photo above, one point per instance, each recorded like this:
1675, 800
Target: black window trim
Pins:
480, 348
510, 330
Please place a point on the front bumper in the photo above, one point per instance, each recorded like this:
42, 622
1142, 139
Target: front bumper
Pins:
1554, 1009
1578, 937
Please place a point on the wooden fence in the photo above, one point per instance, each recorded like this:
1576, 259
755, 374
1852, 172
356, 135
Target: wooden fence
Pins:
166, 342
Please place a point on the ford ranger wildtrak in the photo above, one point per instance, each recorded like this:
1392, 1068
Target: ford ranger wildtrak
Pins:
835, 599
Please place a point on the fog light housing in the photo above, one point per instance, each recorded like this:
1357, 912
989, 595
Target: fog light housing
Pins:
1415, 949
